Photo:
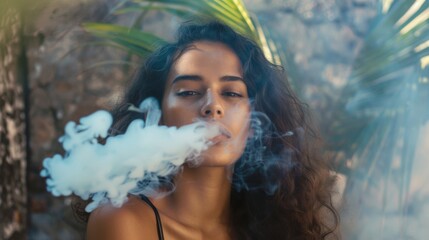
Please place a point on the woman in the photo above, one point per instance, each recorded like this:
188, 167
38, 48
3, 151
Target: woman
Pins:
281, 191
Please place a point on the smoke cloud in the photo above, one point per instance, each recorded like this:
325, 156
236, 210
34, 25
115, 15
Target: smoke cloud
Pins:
144, 158
136, 162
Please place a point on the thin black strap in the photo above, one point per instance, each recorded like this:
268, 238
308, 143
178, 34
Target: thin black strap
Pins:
158, 219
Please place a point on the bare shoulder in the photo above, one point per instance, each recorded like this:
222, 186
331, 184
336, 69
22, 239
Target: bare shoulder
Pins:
133, 221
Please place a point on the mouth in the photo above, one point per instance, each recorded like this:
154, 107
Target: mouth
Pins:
218, 139
222, 136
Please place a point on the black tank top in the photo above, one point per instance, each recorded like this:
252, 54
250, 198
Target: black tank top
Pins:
158, 219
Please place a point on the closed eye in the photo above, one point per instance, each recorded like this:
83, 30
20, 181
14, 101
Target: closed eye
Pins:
232, 94
187, 93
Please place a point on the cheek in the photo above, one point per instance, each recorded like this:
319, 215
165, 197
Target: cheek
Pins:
174, 113
239, 121
239, 113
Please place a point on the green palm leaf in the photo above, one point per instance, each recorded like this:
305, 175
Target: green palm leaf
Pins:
230, 12
139, 42
385, 102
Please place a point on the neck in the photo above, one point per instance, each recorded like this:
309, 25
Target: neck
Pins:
201, 197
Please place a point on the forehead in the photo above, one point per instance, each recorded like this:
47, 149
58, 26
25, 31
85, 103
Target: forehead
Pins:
209, 57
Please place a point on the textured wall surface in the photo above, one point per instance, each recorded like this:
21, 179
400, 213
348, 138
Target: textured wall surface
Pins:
71, 76
13, 194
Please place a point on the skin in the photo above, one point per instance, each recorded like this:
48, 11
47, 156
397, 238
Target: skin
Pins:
206, 84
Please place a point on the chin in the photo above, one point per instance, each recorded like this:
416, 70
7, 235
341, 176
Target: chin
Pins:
217, 156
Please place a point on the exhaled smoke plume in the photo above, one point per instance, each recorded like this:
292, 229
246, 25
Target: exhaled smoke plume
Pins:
146, 153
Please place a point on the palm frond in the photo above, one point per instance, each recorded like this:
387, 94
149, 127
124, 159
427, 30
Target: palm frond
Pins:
231, 12
384, 104
139, 42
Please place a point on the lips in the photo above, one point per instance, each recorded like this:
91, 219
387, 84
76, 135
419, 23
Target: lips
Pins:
218, 139
223, 135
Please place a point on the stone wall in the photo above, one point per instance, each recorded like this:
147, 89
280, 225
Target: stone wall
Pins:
71, 76
323, 38
13, 193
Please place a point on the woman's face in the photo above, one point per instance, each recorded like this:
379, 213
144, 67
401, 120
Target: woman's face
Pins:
206, 83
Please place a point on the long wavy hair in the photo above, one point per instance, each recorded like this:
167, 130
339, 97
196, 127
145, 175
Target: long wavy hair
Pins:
288, 195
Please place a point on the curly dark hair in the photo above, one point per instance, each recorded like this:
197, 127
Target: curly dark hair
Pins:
299, 205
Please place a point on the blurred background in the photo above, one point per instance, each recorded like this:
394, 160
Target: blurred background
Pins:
361, 65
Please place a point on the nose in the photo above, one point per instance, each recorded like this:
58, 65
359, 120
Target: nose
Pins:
212, 107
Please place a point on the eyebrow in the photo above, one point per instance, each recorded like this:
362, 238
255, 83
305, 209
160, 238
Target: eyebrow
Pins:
188, 77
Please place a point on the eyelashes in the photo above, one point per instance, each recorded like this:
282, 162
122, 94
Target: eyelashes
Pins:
190, 93
232, 94
187, 93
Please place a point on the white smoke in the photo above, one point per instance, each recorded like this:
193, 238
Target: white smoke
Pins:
133, 162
